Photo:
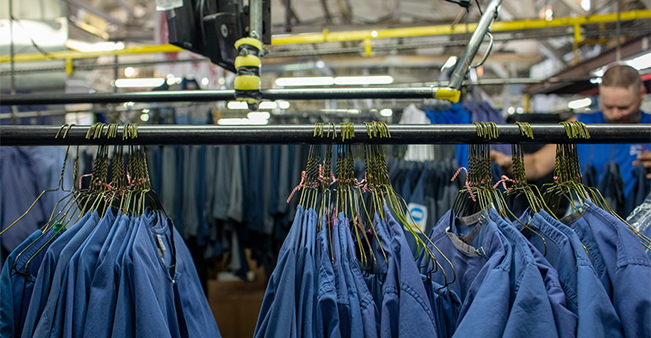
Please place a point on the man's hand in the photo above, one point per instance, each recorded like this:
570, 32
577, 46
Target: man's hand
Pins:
506, 162
643, 158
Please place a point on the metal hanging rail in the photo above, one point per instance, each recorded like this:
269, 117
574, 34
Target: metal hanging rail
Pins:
227, 95
287, 134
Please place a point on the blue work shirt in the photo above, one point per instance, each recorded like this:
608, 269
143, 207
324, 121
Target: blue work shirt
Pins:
327, 312
531, 311
587, 238
600, 154
277, 316
475, 243
356, 321
102, 297
596, 315
48, 315
74, 280
560, 283
45, 282
124, 324
348, 310
405, 307
368, 307
11, 292
30, 263
305, 313
627, 265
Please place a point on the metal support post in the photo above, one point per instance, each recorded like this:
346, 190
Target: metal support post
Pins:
483, 27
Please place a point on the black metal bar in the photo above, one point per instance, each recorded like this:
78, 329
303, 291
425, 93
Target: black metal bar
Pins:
221, 95
287, 134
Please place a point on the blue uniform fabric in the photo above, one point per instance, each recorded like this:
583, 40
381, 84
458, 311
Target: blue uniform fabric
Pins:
103, 290
71, 301
475, 243
29, 262
277, 316
348, 310
11, 290
600, 154
531, 311
356, 321
45, 281
58, 290
305, 312
327, 311
560, 284
124, 317
368, 307
405, 306
19, 189
596, 315
629, 269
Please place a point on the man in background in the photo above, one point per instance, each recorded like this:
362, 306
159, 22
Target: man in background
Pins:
621, 93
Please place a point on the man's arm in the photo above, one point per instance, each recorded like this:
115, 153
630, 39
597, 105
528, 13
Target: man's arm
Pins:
536, 165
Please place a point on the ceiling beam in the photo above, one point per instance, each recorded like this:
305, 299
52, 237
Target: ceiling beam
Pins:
628, 49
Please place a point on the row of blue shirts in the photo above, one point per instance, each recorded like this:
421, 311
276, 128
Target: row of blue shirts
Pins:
104, 276
586, 275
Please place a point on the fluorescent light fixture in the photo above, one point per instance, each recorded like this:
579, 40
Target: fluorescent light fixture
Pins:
283, 104
363, 80
580, 103
233, 122
268, 105
172, 80
320, 64
520, 110
596, 80
549, 14
144, 117
640, 62
145, 111
386, 112
139, 83
353, 111
94, 47
585, 4
237, 105
511, 110
452, 60
374, 34
304, 81
129, 71
256, 115
205, 81
334, 110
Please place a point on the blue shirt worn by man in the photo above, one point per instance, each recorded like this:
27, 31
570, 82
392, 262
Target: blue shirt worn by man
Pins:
44, 282
629, 269
596, 314
11, 292
600, 154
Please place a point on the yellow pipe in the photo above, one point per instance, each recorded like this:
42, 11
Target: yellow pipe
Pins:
72, 54
361, 35
449, 29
